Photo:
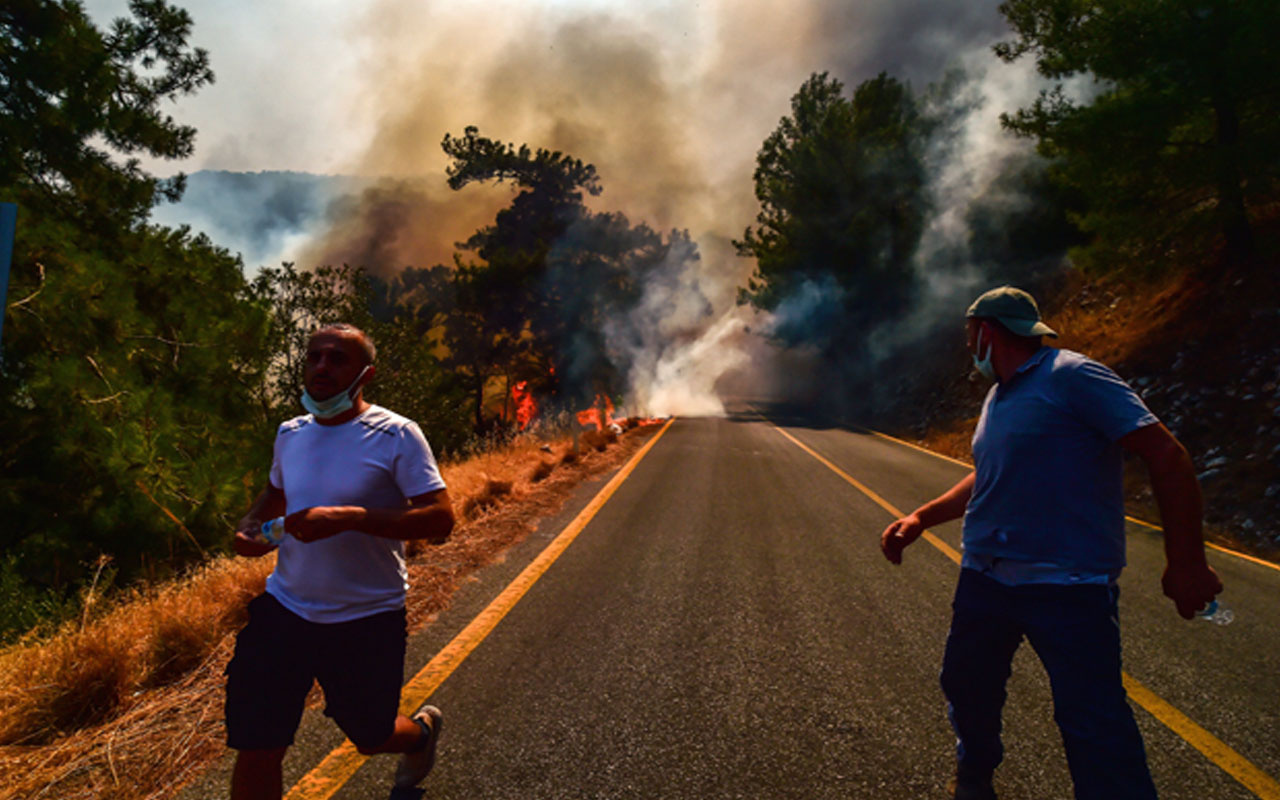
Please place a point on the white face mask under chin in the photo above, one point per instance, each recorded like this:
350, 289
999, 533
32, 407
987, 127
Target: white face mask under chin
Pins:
339, 403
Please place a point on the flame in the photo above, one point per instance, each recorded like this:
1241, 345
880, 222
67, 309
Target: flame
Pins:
526, 407
593, 415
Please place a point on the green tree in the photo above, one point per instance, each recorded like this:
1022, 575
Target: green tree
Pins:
841, 185
132, 354
1180, 137
403, 314
299, 302
127, 399
73, 98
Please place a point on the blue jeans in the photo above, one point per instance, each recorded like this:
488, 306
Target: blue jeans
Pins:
1075, 631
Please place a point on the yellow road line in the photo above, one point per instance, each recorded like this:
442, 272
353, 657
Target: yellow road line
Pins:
1216, 750
1134, 520
1218, 547
337, 768
916, 447
1213, 748
950, 551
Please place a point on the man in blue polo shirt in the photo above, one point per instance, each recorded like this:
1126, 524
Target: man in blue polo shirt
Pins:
1044, 544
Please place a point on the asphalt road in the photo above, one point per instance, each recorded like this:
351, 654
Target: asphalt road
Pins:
725, 627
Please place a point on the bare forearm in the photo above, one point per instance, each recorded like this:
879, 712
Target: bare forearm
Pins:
433, 523
948, 506
1177, 493
268, 505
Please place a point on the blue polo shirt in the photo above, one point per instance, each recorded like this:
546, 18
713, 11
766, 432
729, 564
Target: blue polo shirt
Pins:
1047, 493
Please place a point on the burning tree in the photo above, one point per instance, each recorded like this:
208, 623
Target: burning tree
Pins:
549, 278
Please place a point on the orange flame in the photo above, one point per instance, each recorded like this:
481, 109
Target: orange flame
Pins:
526, 406
593, 415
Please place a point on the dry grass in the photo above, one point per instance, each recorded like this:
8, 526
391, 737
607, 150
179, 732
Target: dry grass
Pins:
599, 439
540, 471
90, 672
128, 703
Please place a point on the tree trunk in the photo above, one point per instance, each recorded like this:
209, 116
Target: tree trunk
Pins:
479, 396
1232, 215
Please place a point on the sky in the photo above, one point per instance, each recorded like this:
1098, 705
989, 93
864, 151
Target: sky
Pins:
669, 100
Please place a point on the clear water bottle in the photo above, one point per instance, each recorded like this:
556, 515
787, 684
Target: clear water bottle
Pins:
273, 531
1216, 613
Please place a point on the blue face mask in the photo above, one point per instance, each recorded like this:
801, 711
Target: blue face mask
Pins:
983, 365
339, 403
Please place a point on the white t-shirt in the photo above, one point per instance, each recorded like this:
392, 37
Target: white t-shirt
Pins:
379, 459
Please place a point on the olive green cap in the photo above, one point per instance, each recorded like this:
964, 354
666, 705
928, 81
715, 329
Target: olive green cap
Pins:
1012, 308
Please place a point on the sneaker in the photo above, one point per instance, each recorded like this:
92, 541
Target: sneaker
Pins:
415, 765
970, 786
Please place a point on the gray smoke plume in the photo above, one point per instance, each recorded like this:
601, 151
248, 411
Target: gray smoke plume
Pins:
671, 104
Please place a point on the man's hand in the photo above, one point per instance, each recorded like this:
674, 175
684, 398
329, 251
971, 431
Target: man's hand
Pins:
250, 544
898, 535
1190, 586
321, 522
248, 539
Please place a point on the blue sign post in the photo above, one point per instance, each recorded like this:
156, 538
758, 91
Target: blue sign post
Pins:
8, 223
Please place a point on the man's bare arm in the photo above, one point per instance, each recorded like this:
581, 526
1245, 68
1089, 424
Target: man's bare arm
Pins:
944, 508
269, 505
1188, 579
428, 516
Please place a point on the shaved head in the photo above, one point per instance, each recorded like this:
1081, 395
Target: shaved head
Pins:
366, 342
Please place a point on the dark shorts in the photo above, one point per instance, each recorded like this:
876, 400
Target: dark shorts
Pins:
359, 664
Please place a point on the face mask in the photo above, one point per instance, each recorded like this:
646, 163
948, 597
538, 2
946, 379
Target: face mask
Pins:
339, 403
983, 365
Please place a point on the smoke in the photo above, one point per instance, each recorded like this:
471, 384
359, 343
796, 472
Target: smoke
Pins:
670, 102
979, 175
266, 216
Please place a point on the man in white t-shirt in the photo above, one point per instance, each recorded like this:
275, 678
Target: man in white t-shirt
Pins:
353, 482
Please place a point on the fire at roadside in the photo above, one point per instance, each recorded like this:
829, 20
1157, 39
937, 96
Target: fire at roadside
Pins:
598, 425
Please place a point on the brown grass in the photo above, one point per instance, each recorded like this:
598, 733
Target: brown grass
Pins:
599, 439
541, 470
127, 703
90, 672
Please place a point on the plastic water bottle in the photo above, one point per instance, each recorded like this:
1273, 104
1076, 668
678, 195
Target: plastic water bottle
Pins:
1216, 613
273, 531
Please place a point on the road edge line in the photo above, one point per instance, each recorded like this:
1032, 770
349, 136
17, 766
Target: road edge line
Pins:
1218, 752
1245, 556
336, 768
